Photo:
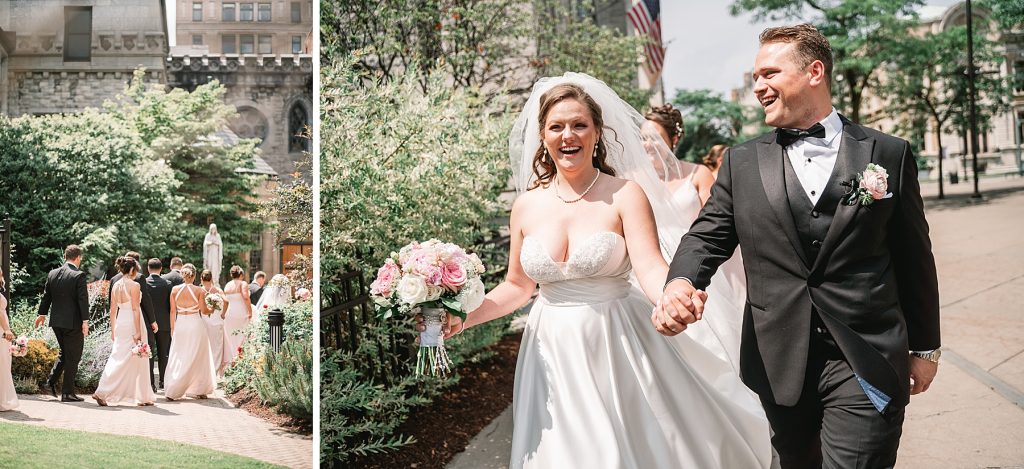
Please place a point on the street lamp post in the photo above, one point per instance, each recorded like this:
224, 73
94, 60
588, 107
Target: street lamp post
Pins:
972, 97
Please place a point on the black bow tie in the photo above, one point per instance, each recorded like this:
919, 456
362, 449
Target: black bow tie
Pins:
787, 137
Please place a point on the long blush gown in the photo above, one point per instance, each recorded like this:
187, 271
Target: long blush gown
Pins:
190, 368
125, 378
597, 387
234, 324
215, 330
8, 396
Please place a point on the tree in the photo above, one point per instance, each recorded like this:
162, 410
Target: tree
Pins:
1009, 13
709, 119
856, 29
184, 129
82, 179
290, 210
926, 80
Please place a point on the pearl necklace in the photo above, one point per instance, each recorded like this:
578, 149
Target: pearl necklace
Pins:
584, 194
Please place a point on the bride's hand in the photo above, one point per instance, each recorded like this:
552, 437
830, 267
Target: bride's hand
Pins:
9, 335
452, 326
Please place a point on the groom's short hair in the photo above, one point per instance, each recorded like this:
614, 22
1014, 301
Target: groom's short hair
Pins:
176, 262
155, 264
811, 45
72, 252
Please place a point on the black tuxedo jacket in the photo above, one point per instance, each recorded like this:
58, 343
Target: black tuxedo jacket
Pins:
160, 292
255, 292
174, 277
873, 282
146, 300
66, 297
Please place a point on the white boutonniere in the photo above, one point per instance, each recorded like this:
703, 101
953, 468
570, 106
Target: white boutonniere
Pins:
867, 187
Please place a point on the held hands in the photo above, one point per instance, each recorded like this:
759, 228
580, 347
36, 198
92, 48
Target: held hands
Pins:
922, 373
154, 327
452, 326
680, 305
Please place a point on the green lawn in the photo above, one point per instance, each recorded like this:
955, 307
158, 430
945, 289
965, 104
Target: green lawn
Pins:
30, 446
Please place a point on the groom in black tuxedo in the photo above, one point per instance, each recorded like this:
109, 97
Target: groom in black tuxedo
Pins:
160, 292
841, 323
66, 300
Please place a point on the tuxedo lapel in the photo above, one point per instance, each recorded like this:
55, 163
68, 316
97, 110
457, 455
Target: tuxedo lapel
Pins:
770, 163
855, 152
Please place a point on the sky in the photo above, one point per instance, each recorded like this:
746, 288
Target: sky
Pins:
709, 49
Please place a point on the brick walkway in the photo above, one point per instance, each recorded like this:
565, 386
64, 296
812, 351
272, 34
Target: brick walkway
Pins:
212, 423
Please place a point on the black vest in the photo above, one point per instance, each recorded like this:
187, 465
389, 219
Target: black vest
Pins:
812, 221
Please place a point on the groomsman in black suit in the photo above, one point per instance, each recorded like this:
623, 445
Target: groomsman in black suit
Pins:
259, 281
160, 292
147, 307
66, 296
174, 276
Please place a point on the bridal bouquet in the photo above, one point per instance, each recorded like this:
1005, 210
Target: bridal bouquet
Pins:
429, 278
142, 350
215, 302
19, 346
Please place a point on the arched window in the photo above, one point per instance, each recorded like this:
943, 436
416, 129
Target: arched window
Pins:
298, 123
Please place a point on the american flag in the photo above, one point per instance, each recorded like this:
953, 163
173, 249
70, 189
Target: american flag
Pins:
645, 15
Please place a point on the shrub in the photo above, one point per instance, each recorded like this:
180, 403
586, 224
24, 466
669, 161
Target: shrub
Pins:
36, 364
95, 353
285, 380
23, 385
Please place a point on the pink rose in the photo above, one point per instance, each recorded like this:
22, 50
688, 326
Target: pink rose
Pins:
875, 181
453, 276
385, 281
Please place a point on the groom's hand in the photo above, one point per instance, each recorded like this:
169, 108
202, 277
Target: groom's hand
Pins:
922, 373
679, 306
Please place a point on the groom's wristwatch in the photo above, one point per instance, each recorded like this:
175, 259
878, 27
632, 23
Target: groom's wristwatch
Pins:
932, 355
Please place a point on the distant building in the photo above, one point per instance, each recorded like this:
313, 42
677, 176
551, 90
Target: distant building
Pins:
261, 53
60, 56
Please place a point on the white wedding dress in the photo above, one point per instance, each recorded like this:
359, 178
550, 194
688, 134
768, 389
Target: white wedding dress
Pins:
125, 378
597, 387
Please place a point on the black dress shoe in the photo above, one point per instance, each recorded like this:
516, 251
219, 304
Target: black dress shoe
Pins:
70, 398
53, 389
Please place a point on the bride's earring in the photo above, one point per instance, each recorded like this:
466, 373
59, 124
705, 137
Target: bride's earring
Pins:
544, 156
596, 146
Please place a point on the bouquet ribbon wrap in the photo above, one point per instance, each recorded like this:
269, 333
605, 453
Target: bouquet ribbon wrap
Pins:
432, 358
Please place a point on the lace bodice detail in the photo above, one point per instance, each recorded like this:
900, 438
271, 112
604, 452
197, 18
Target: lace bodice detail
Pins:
603, 254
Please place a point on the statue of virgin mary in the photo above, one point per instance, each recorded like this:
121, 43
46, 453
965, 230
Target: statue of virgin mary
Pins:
213, 252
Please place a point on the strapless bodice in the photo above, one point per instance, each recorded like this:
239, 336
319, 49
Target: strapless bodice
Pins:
595, 271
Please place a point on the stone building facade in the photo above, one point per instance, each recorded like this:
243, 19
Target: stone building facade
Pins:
67, 56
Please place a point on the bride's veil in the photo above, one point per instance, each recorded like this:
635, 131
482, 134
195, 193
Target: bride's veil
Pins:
620, 137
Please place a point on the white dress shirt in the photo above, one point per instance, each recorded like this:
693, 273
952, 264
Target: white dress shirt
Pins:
814, 158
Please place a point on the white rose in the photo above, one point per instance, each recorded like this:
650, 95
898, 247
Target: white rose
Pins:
434, 292
412, 289
472, 295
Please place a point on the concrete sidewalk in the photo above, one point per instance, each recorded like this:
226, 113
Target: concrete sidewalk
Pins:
973, 415
212, 423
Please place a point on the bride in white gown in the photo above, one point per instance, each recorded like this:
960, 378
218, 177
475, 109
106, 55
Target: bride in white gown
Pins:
596, 385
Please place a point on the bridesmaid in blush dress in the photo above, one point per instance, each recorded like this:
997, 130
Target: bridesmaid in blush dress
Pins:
190, 369
8, 396
239, 313
126, 376
215, 322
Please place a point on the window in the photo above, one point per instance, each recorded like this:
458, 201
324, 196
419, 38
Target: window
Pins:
1020, 127
246, 12
296, 12
228, 12
197, 39
229, 44
197, 11
77, 34
298, 120
256, 255
264, 12
265, 44
296, 44
1018, 68
246, 44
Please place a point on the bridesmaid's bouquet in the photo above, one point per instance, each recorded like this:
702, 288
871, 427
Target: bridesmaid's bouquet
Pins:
429, 278
19, 346
215, 302
142, 350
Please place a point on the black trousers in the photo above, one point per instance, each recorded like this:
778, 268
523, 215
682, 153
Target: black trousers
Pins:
834, 424
71, 342
163, 350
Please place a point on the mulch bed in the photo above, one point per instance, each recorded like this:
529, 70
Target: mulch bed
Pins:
445, 427
250, 402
